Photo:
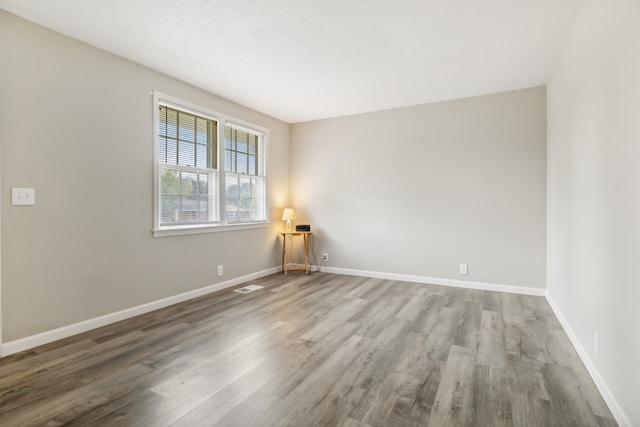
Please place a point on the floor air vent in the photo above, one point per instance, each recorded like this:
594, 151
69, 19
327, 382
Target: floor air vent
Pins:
248, 289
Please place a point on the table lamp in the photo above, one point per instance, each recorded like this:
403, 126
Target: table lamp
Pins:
288, 215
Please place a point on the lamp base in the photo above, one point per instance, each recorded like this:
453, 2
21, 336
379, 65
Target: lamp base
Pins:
289, 227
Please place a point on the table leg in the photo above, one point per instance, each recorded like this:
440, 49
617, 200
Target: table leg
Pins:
284, 246
306, 254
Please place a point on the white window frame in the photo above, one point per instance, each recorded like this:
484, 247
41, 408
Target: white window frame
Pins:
220, 172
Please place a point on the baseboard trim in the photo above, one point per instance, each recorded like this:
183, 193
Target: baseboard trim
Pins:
47, 337
524, 290
612, 403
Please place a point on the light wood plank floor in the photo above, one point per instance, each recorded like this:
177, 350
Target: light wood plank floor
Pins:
323, 349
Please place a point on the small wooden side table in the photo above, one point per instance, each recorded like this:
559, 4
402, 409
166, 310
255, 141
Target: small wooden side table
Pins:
306, 236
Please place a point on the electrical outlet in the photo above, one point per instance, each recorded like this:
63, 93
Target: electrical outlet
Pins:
220, 270
464, 269
23, 196
596, 343
325, 257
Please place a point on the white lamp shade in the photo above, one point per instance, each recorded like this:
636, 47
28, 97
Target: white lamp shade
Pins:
288, 214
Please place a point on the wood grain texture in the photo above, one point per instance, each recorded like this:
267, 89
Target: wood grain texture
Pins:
325, 350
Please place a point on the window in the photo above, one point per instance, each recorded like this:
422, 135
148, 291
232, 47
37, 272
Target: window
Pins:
187, 158
244, 181
193, 192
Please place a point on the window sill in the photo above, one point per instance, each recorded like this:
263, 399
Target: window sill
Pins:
208, 228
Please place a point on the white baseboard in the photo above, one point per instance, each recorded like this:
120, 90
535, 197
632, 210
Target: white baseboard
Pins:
611, 402
436, 281
32, 341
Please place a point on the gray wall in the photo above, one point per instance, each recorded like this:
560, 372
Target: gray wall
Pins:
419, 190
594, 192
76, 124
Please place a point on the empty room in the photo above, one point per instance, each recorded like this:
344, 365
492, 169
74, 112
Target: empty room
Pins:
320, 213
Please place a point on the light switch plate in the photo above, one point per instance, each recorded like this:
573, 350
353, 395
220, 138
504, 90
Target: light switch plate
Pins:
23, 196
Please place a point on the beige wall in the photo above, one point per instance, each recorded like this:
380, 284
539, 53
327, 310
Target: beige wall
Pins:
594, 192
76, 124
419, 190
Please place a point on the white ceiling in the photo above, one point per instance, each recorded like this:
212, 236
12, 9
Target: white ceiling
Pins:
301, 60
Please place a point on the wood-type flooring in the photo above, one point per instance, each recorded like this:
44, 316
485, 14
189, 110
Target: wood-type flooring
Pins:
318, 350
